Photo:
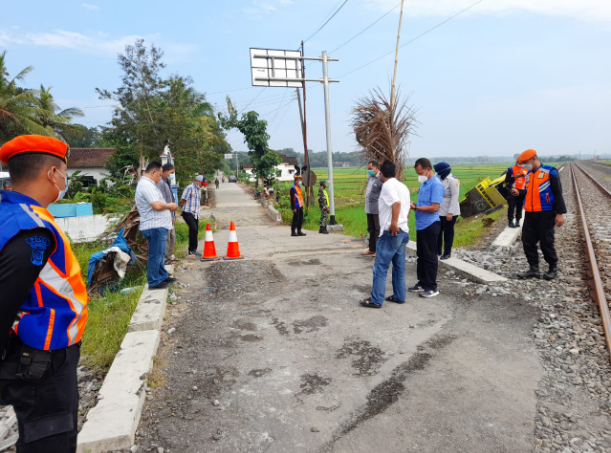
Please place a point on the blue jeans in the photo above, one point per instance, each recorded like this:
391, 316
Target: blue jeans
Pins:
155, 271
389, 249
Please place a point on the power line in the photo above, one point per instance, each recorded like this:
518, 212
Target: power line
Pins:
253, 99
281, 118
414, 39
328, 20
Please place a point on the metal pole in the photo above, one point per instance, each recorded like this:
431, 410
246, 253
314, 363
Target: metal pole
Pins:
325, 74
305, 131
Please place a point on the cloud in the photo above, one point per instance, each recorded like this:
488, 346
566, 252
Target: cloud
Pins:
92, 44
580, 9
91, 7
262, 8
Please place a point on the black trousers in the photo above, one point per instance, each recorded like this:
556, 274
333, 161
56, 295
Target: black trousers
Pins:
426, 251
539, 228
446, 235
47, 410
515, 206
297, 221
193, 225
373, 227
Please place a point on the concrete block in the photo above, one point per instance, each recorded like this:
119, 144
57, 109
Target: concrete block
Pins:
150, 310
274, 214
112, 423
467, 270
335, 227
507, 237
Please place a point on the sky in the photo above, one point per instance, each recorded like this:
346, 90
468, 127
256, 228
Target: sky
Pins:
503, 76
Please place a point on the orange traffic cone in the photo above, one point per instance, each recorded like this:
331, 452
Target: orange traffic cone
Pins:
209, 248
233, 249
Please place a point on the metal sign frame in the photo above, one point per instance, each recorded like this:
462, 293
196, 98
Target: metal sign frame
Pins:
267, 65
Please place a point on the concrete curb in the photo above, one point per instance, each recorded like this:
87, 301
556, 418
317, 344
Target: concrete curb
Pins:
465, 269
112, 423
274, 214
507, 237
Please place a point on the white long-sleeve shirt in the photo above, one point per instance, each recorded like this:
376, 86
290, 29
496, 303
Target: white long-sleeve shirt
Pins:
450, 203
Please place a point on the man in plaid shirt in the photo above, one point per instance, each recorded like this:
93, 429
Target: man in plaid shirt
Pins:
190, 202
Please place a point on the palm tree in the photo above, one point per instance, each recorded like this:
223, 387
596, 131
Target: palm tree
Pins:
56, 122
19, 112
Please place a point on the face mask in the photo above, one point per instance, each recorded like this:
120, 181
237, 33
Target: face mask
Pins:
61, 193
371, 172
528, 167
422, 179
172, 179
300, 184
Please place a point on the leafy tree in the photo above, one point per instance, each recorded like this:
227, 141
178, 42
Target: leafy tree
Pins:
51, 117
79, 136
19, 111
256, 138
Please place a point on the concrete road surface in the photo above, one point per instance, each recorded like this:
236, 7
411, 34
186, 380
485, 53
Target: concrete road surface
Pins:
273, 354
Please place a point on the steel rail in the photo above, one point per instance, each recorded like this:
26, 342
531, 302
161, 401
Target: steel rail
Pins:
599, 289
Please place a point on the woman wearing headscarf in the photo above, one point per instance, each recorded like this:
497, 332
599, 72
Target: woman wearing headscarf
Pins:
449, 209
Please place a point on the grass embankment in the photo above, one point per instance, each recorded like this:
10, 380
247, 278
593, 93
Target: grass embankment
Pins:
110, 314
350, 193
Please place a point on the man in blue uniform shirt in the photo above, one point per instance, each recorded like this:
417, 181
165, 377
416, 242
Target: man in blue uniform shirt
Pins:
426, 210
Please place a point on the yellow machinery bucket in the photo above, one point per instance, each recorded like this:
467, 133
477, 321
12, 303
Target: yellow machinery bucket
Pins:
482, 197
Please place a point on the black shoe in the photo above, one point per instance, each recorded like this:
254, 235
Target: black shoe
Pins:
195, 253
301, 234
446, 256
416, 288
325, 230
321, 230
170, 280
511, 224
533, 272
552, 273
517, 223
294, 234
163, 285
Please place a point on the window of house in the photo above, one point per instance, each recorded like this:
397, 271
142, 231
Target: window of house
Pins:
291, 172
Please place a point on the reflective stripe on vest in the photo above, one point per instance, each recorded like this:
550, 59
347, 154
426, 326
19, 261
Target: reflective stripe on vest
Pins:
519, 173
326, 196
298, 196
539, 195
54, 313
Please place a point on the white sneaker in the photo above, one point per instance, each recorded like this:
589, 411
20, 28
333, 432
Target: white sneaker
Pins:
429, 293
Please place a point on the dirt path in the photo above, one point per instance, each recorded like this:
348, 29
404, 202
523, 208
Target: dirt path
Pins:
273, 354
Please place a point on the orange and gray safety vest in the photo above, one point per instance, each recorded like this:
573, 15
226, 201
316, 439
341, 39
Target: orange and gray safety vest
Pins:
54, 313
519, 173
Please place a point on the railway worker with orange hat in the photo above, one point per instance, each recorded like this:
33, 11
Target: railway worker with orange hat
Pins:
43, 299
515, 178
544, 206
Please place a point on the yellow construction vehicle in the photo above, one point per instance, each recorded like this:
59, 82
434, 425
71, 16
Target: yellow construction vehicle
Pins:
487, 196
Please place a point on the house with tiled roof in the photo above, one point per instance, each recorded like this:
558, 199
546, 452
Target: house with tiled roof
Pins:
90, 162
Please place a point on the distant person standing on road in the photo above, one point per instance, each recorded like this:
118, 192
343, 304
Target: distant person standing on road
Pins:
296, 193
515, 178
393, 210
216, 183
190, 202
544, 206
449, 209
428, 226
165, 188
372, 195
223, 178
155, 222
323, 204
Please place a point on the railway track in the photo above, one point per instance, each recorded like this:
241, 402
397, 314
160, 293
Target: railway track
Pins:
593, 201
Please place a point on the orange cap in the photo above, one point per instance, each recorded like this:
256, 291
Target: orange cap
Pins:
34, 144
526, 155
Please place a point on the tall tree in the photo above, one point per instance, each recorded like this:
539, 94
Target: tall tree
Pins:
256, 138
19, 112
51, 117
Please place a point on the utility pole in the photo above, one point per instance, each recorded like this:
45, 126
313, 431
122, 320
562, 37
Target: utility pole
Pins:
305, 130
394, 77
325, 75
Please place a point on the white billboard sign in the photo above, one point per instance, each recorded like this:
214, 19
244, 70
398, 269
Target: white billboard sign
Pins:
267, 65
229, 156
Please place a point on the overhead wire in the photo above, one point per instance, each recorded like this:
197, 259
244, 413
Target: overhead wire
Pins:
413, 39
328, 20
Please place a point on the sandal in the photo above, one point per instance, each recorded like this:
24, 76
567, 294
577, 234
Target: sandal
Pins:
368, 303
368, 252
392, 299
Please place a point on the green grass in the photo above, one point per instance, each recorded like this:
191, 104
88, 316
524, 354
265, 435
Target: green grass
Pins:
350, 193
110, 314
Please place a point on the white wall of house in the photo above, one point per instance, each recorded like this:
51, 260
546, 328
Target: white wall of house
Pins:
287, 173
98, 173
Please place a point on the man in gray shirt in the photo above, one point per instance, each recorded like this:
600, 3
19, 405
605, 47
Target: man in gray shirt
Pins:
165, 188
372, 195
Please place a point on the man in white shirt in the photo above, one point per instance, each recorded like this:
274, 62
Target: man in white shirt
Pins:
394, 206
155, 222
